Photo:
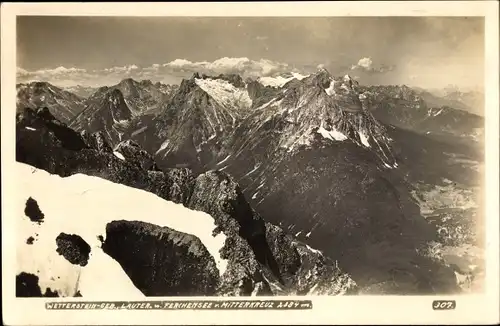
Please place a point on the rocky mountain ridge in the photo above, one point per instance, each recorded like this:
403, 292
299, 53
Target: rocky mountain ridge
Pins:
61, 103
262, 259
340, 166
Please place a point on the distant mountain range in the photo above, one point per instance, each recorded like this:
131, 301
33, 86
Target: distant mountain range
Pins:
81, 91
373, 177
471, 101
64, 104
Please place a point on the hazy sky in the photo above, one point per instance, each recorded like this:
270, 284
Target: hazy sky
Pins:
427, 52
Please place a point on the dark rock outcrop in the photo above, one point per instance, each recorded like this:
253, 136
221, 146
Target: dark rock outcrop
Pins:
161, 261
33, 211
260, 94
134, 153
234, 79
27, 286
96, 141
73, 248
175, 184
269, 258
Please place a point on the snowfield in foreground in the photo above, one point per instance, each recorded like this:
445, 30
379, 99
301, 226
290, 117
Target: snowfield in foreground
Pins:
83, 205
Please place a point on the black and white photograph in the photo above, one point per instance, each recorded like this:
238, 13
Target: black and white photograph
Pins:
177, 156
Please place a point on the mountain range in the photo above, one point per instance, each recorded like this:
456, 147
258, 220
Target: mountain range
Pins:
471, 101
64, 104
382, 183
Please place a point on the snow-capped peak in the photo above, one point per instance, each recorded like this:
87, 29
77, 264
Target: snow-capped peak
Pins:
328, 107
279, 81
347, 78
225, 93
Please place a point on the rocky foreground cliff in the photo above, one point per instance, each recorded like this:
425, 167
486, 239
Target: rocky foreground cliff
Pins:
116, 211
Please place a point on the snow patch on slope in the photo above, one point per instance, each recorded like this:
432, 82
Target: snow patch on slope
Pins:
119, 155
438, 113
84, 205
314, 250
266, 104
364, 139
331, 89
252, 171
163, 146
334, 134
225, 93
138, 131
105, 269
224, 160
279, 81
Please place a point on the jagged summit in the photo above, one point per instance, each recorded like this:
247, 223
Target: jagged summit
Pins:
203, 109
322, 77
310, 111
235, 79
320, 108
142, 96
118, 107
40, 84
62, 104
128, 80
227, 91
147, 82
99, 92
105, 111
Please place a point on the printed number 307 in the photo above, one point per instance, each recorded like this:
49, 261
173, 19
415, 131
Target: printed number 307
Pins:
443, 304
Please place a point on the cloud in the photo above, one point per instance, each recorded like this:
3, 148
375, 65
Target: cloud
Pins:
366, 64
167, 72
22, 72
60, 75
122, 70
59, 71
242, 66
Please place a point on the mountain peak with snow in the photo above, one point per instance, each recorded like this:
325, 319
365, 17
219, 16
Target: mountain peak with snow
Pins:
325, 106
279, 81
